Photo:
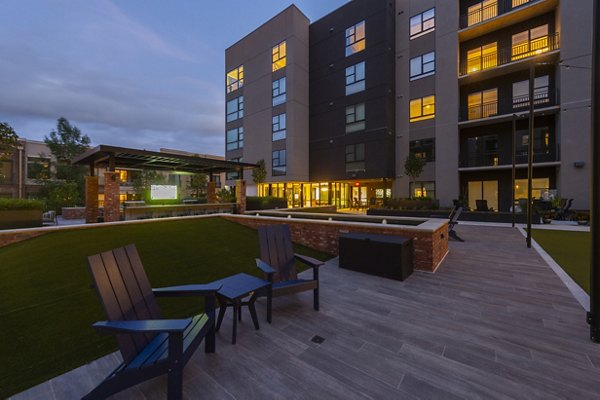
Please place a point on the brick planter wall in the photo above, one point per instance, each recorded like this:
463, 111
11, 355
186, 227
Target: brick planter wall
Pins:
73, 212
7, 238
430, 246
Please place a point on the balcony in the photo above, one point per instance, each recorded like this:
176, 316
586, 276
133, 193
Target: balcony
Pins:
509, 55
543, 98
502, 159
493, 15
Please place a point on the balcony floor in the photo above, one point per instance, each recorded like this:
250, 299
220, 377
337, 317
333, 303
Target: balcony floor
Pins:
493, 322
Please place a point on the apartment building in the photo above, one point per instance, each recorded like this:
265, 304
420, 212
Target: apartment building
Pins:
447, 81
20, 174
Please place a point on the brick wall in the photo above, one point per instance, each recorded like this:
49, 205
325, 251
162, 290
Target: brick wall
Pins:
74, 213
7, 238
430, 247
91, 200
112, 210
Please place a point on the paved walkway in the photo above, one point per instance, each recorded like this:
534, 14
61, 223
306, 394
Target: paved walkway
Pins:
493, 323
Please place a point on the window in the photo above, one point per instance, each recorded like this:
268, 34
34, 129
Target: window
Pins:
541, 93
424, 149
279, 56
538, 186
517, 3
235, 138
355, 118
422, 24
482, 11
279, 163
38, 168
530, 42
483, 57
482, 151
483, 190
483, 104
355, 78
279, 127
279, 92
235, 109
422, 109
355, 157
355, 38
235, 79
233, 175
422, 66
422, 189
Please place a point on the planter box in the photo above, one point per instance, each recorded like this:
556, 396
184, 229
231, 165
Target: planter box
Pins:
476, 216
17, 219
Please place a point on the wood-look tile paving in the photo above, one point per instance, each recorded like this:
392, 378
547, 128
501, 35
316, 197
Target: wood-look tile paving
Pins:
493, 322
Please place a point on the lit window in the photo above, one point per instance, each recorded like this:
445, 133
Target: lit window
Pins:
422, 109
424, 148
422, 23
541, 93
235, 79
422, 66
355, 118
235, 138
482, 11
423, 189
355, 38
355, 157
235, 109
517, 3
530, 43
279, 56
279, 91
279, 127
279, 163
355, 78
483, 104
483, 57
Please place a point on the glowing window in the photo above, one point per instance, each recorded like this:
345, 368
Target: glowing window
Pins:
235, 79
483, 104
279, 56
529, 43
482, 11
355, 38
483, 57
422, 108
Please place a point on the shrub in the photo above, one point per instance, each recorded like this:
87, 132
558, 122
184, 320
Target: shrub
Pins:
20, 204
265, 203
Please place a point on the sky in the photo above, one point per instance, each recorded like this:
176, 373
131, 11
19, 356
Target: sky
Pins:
133, 73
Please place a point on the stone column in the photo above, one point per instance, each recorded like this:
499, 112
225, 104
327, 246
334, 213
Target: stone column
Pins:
91, 199
211, 192
240, 196
112, 210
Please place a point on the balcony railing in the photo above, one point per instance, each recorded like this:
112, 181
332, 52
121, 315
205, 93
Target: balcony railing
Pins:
506, 55
490, 9
502, 157
542, 98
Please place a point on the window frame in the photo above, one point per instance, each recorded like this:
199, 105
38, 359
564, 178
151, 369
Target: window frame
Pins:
279, 91
236, 84
279, 56
278, 128
355, 122
279, 168
420, 61
539, 88
239, 111
355, 78
355, 157
423, 148
423, 106
239, 139
355, 43
421, 23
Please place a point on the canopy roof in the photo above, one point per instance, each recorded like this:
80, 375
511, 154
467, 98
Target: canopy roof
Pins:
111, 157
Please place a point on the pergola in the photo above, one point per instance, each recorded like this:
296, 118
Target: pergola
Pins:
111, 158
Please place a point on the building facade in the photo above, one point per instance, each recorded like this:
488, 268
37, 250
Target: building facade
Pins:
447, 81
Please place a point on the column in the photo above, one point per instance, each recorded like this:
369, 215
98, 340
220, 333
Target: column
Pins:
240, 196
211, 192
112, 210
91, 199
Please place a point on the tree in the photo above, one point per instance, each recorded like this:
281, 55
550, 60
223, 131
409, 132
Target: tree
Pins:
142, 181
413, 167
259, 174
8, 141
66, 141
197, 185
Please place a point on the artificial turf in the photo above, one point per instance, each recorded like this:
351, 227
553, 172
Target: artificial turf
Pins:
571, 250
47, 305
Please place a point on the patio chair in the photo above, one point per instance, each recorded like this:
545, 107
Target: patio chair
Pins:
453, 222
49, 217
278, 263
150, 346
564, 213
481, 205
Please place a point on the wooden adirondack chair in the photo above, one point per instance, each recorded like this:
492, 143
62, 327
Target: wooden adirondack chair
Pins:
452, 224
278, 263
150, 346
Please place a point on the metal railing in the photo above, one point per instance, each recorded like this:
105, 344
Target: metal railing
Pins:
490, 10
543, 97
483, 110
502, 157
506, 55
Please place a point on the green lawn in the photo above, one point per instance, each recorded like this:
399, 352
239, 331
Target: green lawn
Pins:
571, 250
47, 306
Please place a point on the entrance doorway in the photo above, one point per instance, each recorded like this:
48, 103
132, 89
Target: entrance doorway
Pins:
359, 196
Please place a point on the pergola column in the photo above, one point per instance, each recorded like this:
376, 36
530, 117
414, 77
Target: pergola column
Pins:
211, 192
240, 195
112, 210
91, 199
